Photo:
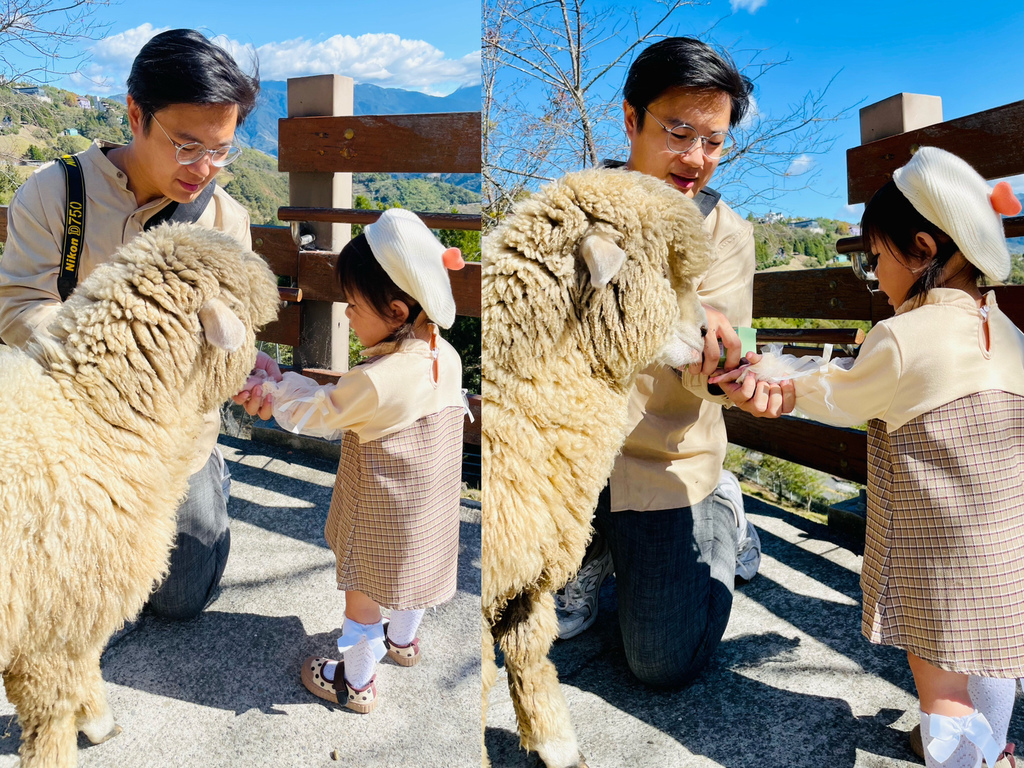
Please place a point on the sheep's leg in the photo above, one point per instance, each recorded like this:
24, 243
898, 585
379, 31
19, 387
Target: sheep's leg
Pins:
527, 628
42, 691
489, 674
94, 717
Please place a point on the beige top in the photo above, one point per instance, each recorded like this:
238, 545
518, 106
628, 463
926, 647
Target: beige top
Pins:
930, 353
674, 455
35, 234
384, 395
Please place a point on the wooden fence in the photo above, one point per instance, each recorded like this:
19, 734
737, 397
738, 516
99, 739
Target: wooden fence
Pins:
992, 141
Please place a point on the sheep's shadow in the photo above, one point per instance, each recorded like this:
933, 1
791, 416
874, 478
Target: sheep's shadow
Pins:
723, 715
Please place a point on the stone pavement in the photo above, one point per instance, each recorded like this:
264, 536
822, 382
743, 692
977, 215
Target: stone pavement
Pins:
793, 685
224, 689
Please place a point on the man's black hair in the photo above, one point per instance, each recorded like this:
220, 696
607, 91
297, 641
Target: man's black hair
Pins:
181, 66
682, 62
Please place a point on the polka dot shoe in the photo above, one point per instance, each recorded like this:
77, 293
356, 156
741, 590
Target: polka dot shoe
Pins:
362, 700
405, 655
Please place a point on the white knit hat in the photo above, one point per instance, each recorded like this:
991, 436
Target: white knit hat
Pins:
416, 261
953, 196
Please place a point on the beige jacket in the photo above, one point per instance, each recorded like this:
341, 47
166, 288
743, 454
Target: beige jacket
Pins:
35, 233
931, 353
388, 393
674, 455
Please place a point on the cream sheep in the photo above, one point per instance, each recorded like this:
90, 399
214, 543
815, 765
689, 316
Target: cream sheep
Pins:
590, 281
99, 430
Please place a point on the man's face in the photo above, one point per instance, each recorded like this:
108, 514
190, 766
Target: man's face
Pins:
157, 173
707, 111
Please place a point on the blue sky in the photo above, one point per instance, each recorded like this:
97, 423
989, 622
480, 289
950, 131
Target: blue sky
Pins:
971, 56
392, 43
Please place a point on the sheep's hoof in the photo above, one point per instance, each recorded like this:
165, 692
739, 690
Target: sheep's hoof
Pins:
110, 734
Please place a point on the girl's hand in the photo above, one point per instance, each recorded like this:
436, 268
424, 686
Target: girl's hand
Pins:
720, 330
251, 397
268, 365
759, 398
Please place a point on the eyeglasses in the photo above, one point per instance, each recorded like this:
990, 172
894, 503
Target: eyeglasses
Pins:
193, 152
683, 138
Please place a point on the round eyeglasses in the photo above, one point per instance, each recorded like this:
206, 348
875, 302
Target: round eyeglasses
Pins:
683, 138
193, 152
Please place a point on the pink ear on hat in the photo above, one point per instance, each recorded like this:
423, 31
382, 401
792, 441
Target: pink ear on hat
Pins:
1004, 201
452, 259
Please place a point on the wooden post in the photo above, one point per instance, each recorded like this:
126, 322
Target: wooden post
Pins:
898, 114
324, 337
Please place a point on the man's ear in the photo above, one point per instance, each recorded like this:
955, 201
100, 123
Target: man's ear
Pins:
134, 116
629, 117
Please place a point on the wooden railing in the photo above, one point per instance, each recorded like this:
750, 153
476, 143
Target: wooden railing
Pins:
992, 141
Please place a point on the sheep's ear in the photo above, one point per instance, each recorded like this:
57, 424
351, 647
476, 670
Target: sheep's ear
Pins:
604, 258
222, 327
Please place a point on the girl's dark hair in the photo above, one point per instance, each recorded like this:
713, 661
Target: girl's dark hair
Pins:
891, 219
682, 62
181, 66
360, 273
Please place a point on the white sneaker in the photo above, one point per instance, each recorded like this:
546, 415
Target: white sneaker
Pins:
576, 602
748, 543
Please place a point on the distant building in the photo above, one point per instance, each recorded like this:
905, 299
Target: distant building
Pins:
773, 217
84, 102
811, 225
32, 90
855, 230
71, 132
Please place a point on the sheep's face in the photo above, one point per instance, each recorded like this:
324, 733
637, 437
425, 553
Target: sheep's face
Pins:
168, 323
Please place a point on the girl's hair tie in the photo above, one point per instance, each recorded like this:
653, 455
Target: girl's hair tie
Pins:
1003, 200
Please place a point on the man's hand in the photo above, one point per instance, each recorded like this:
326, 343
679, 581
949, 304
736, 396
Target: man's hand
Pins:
720, 331
251, 397
759, 398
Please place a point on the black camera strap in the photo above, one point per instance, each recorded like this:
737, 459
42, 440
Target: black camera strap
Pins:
74, 226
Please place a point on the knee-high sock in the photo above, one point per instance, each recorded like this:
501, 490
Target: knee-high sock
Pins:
360, 662
993, 697
403, 625
971, 735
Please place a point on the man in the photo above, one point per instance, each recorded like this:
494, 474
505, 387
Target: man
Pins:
663, 525
186, 97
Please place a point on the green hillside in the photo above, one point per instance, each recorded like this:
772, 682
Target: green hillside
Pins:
780, 245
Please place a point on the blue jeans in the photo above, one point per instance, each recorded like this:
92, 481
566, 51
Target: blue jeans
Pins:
674, 574
201, 547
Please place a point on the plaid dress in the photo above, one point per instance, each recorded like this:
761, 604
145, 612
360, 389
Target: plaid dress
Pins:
394, 518
943, 573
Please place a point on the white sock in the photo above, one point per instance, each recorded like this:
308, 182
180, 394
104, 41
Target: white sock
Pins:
403, 625
993, 697
966, 754
360, 663
328, 671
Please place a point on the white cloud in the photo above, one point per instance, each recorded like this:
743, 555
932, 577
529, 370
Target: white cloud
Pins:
850, 212
383, 59
750, 6
751, 116
800, 165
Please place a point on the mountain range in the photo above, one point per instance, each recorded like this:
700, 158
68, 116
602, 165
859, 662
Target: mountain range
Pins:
259, 131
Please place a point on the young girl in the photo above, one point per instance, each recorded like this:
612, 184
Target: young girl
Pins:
394, 518
943, 385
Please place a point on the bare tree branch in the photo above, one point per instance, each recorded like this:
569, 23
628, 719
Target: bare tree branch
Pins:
41, 39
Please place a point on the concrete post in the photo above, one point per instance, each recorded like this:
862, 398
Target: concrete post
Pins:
324, 338
898, 114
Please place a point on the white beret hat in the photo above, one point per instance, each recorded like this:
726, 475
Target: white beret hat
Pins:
953, 196
416, 261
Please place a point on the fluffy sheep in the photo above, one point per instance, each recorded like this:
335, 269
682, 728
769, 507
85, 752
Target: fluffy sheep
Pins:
586, 284
99, 427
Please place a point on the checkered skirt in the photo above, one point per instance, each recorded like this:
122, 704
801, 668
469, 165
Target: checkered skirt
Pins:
943, 573
394, 517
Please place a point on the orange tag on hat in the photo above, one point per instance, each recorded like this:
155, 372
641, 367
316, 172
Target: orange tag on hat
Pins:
452, 259
1003, 200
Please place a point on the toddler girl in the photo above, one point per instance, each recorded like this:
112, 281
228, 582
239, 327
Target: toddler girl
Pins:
394, 518
942, 384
